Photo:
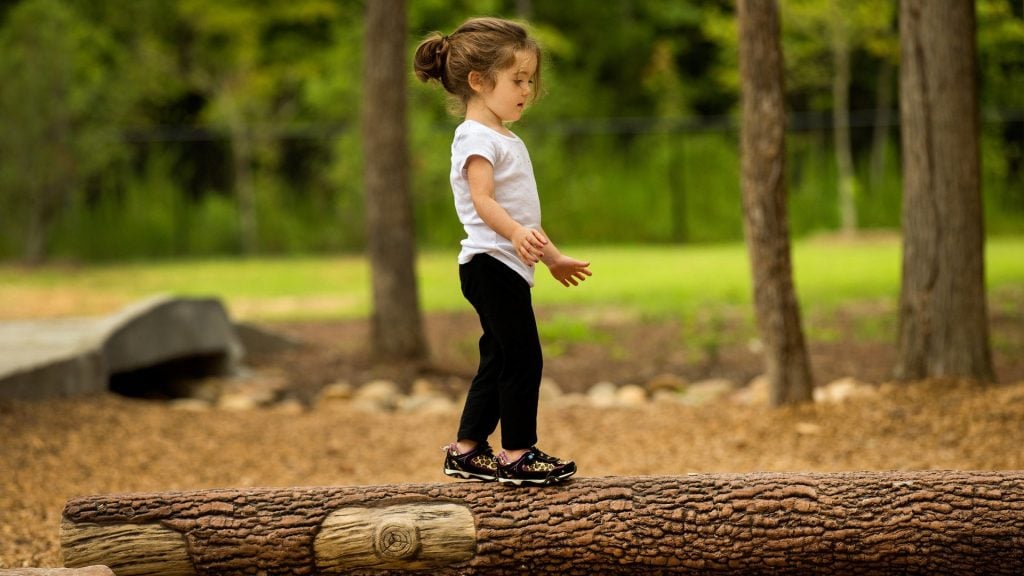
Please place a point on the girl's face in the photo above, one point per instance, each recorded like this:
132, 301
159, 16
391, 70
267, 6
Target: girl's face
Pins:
507, 98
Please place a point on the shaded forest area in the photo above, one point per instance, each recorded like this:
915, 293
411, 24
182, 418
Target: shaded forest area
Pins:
140, 129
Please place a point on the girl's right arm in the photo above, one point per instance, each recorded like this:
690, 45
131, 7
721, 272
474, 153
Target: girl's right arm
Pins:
528, 242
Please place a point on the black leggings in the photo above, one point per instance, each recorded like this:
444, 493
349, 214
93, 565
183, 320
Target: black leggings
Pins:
507, 384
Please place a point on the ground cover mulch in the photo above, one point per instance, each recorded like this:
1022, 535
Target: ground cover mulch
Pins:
53, 450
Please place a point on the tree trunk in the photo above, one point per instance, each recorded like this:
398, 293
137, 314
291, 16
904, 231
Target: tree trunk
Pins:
766, 223
881, 132
37, 226
943, 318
396, 322
51, 178
242, 157
882, 129
848, 523
840, 38
677, 185
245, 188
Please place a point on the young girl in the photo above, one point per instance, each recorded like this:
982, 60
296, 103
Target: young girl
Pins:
492, 68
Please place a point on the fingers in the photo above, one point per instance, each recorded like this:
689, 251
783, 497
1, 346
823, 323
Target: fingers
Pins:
574, 274
531, 246
535, 243
530, 254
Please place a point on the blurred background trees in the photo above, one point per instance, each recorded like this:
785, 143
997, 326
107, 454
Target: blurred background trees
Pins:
172, 128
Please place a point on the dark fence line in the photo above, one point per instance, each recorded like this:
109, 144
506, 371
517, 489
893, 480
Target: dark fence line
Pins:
796, 122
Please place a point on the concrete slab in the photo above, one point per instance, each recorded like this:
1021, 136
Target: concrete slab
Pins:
77, 356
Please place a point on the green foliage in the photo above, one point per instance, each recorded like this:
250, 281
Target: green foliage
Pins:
1000, 58
213, 227
143, 222
128, 128
809, 29
56, 106
812, 189
641, 189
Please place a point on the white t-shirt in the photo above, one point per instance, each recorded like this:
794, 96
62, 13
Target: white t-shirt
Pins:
515, 189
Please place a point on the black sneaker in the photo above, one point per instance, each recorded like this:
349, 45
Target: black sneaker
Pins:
477, 464
534, 467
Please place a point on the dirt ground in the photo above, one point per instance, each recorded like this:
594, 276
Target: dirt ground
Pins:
54, 450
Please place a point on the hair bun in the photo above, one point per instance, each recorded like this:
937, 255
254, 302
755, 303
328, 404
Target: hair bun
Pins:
431, 58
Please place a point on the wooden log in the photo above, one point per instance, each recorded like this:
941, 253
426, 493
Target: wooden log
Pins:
848, 523
87, 571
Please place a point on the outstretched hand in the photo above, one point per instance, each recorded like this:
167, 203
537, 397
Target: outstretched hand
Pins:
569, 271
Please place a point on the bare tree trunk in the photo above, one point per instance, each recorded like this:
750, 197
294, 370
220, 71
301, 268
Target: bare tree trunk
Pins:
931, 522
884, 83
766, 223
943, 319
881, 131
396, 323
245, 188
677, 185
37, 224
242, 165
52, 179
841, 120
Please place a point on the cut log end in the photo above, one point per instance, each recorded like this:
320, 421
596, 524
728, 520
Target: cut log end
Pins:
127, 549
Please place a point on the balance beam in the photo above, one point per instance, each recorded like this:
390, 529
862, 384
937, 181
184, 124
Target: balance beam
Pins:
847, 523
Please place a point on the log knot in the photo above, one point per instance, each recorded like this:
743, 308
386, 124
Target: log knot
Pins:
396, 539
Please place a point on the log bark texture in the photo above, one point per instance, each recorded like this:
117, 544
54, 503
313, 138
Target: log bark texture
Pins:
848, 523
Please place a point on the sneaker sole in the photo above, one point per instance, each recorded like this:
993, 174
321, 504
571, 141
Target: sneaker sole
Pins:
468, 475
535, 482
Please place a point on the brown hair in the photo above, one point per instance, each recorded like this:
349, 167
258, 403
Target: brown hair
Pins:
483, 45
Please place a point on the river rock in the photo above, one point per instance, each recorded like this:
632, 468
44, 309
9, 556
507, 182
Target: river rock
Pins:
707, 391
602, 395
550, 391
842, 390
631, 395
382, 395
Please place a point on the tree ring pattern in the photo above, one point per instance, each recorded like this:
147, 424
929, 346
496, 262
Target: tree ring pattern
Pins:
396, 540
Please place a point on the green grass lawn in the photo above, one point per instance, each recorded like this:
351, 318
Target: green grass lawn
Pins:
646, 280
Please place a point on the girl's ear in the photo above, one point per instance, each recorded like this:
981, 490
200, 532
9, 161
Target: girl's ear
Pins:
477, 81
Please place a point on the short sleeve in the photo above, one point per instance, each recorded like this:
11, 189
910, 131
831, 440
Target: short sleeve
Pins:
471, 143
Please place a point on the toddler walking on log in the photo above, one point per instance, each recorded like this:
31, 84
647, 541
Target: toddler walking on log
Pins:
492, 68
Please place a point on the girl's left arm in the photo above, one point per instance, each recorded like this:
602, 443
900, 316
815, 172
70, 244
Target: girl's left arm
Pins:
567, 270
